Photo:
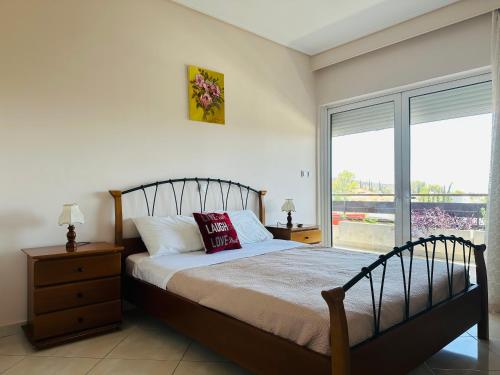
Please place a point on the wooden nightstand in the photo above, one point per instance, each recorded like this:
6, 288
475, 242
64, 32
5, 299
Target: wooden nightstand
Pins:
310, 234
72, 295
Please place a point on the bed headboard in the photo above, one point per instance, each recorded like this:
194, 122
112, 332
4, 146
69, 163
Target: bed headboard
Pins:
177, 188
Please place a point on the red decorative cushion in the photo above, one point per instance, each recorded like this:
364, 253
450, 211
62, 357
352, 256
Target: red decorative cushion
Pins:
217, 232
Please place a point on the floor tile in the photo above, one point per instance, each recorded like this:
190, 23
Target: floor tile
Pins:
52, 366
494, 324
462, 372
209, 368
95, 347
139, 319
161, 344
15, 345
7, 361
494, 327
9, 330
146, 345
133, 367
465, 353
472, 331
197, 353
421, 370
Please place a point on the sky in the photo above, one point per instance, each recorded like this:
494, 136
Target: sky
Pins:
442, 152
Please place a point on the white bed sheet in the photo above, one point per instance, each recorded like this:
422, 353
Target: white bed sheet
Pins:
159, 270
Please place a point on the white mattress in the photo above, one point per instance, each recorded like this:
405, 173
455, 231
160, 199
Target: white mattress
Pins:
159, 270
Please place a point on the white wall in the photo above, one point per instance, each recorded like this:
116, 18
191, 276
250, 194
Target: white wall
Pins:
93, 97
453, 49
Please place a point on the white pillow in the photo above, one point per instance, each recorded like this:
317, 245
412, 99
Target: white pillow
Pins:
248, 227
169, 234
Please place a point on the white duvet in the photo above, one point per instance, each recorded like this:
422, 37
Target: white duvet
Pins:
159, 270
276, 286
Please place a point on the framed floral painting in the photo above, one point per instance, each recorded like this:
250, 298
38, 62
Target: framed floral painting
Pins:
206, 95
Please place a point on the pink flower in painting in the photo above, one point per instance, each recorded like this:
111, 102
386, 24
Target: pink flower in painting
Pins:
214, 90
206, 85
198, 79
207, 94
205, 100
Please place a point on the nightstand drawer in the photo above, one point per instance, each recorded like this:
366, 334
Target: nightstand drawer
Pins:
73, 320
307, 236
83, 293
57, 271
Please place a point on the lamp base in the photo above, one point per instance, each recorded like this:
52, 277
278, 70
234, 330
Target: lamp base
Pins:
71, 244
289, 220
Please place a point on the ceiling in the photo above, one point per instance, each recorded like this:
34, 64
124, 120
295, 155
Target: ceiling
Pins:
313, 26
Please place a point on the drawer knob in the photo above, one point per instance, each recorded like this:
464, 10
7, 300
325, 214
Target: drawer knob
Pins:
79, 295
307, 237
80, 269
80, 320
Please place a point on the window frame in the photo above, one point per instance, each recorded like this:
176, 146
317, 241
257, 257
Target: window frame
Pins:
402, 152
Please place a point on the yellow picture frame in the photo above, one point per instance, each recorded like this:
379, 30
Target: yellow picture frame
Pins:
206, 95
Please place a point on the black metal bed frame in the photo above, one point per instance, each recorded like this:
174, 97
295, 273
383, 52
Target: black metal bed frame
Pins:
366, 273
203, 201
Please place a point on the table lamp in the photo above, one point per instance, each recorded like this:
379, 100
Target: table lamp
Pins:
288, 206
71, 215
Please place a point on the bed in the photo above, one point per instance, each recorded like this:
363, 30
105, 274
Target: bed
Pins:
280, 307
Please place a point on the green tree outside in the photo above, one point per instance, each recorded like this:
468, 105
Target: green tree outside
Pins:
344, 183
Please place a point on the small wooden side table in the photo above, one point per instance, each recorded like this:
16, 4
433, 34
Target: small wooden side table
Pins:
72, 295
310, 234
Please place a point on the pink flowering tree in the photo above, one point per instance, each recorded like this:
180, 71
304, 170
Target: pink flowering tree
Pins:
207, 93
424, 222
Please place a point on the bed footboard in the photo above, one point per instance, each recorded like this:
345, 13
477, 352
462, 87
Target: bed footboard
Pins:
340, 348
404, 346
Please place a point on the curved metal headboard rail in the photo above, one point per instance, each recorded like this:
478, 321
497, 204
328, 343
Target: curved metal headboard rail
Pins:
202, 197
207, 179
366, 272
178, 194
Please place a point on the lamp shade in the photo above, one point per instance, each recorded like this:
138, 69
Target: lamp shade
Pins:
71, 214
288, 205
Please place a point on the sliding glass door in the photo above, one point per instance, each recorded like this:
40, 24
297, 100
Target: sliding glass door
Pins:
363, 204
411, 164
450, 136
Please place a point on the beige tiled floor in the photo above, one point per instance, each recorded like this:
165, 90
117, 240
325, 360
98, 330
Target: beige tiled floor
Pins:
147, 346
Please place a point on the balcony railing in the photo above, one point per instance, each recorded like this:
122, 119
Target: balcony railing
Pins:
473, 210
366, 221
